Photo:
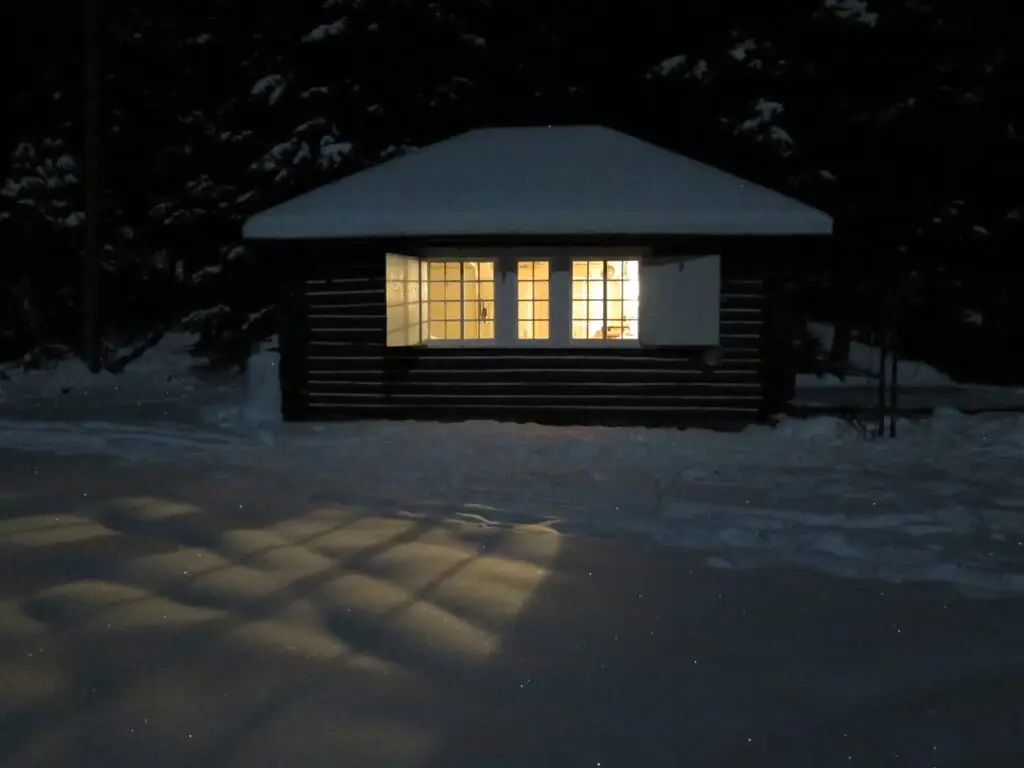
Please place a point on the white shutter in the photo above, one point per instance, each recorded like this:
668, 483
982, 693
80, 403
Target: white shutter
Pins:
402, 295
679, 301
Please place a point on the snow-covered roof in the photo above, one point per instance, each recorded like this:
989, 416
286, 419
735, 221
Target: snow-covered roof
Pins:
568, 180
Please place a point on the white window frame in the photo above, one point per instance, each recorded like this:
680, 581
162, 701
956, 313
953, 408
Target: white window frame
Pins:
506, 287
554, 319
602, 254
461, 255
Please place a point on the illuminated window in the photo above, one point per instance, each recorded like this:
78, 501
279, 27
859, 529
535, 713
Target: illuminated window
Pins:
458, 300
605, 299
533, 300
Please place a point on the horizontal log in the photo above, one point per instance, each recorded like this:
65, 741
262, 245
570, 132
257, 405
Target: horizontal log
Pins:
656, 376
338, 356
613, 401
535, 389
741, 301
362, 319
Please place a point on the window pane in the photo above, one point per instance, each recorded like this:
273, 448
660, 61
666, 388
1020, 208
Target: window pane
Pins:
487, 329
631, 289
579, 289
453, 271
452, 330
486, 270
437, 271
631, 310
525, 310
541, 329
579, 270
579, 330
524, 270
452, 310
595, 270
487, 310
541, 291
487, 291
525, 291
471, 330
452, 291
613, 270
525, 329
632, 269
541, 310
595, 289
541, 270
595, 310
579, 310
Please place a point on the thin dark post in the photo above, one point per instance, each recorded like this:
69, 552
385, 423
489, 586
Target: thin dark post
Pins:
91, 254
883, 343
893, 400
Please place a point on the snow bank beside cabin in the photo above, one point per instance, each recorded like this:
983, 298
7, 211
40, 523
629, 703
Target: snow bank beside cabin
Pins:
164, 384
865, 357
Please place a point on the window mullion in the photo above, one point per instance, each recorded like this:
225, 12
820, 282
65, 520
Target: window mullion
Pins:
560, 293
506, 306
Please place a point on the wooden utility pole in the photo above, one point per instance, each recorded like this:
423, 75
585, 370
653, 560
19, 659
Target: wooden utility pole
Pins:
91, 253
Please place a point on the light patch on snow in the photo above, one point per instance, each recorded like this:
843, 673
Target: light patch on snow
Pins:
316, 122
277, 155
853, 10
271, 86
671, 65
325, 31
302, 155
680, 65
867, 358
333, 153
207, 272
73, 220
742, 50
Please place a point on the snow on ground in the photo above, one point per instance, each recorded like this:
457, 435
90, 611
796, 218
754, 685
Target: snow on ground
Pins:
942, 503
865, 357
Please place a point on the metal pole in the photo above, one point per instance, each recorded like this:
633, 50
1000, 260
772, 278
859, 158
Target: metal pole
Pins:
91, 254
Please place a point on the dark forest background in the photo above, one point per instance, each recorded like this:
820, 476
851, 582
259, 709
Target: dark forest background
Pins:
902, 119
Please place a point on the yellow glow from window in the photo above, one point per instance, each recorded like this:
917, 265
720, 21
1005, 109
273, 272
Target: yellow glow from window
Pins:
533, 302
458, 299
605, 299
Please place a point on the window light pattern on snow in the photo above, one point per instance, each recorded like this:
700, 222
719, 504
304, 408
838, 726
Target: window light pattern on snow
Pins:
606, 299
459, 301
533, 299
